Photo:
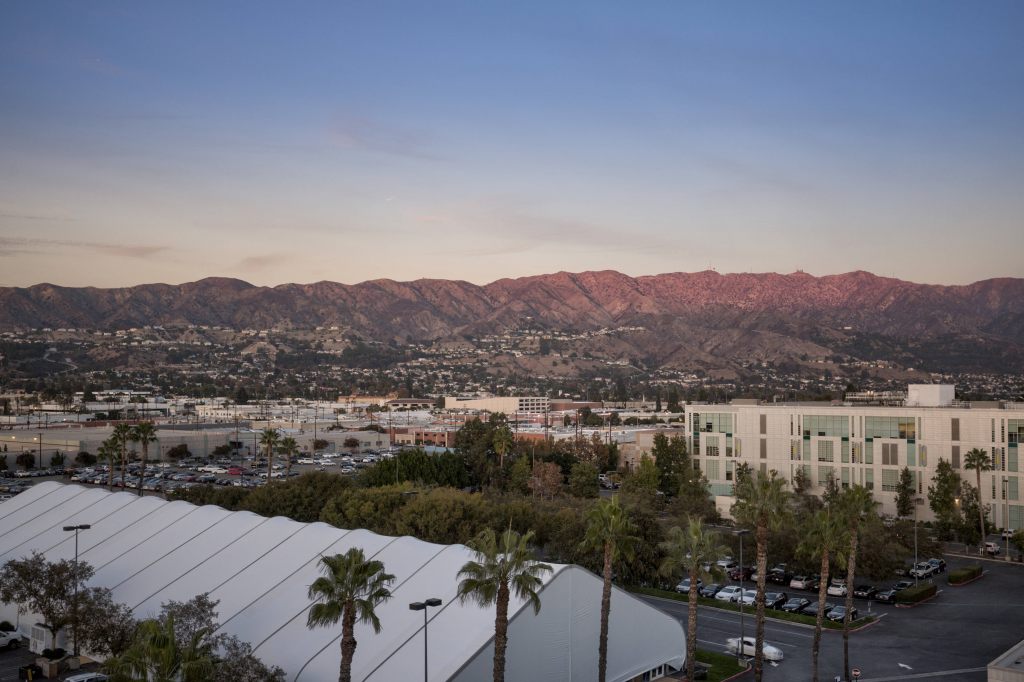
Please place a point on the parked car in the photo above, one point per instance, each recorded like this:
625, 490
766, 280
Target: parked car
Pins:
729, 593
726, 563
991, 548
10, 640
684, 586
887, 596
1007, 534
710, 590
839, 613
801, 582
864, 591
922, 570
87, 677
771, 653
812, 608
837, 587
796, 605
775, 600
779, 575
741, 573
902, 585
938, 564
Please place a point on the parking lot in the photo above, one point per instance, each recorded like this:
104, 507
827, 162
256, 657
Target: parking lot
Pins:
13, 659
950, 637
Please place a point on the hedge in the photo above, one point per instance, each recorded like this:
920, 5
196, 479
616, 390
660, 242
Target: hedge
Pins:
917, 593
965, 574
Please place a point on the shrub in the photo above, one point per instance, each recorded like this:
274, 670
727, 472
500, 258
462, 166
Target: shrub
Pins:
5, 626
53, 654
965, 574
917, 593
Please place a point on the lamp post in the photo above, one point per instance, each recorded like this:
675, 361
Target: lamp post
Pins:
1006, 514
422, 606
40, 449
74, 615
917, 501
739, 650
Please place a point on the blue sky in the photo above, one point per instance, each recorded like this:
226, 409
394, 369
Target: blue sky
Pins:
296, 142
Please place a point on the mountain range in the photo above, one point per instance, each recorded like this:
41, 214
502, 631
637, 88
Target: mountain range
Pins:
685, 316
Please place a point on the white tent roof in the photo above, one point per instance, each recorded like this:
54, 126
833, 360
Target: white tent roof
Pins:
149, 551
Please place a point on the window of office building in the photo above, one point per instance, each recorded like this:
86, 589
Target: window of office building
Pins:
716, 422
764, 448
826, 425
954, 428
890, 454
869, 452
764, 424
1015, 433
711, 446
794, 450
711, 470
729, 468
890, 480
955, 456
890, 427
869, 479
825, 451
855, 453
824, 475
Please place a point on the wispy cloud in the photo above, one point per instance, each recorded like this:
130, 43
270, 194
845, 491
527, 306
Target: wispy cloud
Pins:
10, 246
353, 132
261, 262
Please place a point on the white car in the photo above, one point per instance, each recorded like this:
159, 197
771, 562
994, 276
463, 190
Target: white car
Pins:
87, 677
306, 460
771, 653
837, 587
729, 593
10, 640
327, 463
749, 597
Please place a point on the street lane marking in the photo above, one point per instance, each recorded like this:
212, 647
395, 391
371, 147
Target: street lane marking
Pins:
921, 676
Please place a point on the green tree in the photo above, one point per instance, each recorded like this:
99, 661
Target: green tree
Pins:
349, 591
121, 436
519, 477
145, 434
671, 458
943, 496
762, 503
26, 460
856, 506
504, 566
978, 459
905, 493
609, 531
583, 480
108, 453
502, 442
824, 538
269, 439
47, 588
156, 655
109, 628
642, 483
690, 549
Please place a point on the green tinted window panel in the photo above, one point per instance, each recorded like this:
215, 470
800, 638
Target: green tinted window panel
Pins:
911, 455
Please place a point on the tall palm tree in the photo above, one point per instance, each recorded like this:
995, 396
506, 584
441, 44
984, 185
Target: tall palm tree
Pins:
108, 451
856, 504
825, 538
502, 442
978, 459
762, 503
690, 548
349, 591
609, 531
504, 566
269, 440
156, 655
122, 436
143, 433
288, 447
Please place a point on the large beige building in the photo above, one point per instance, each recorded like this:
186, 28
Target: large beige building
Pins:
865, 444
507, 405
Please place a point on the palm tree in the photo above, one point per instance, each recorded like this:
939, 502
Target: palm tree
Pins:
502, 442
978, 459
108, 451
269, 439
691, 548
609, 531
349, 591
856, 504
157, 656
824, 538
122, 436
288, 447
504, 566
762, 503
144, 433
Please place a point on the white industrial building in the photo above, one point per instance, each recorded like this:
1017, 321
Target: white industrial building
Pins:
149, 551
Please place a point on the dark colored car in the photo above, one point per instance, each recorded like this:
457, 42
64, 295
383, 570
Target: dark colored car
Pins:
939, 564
812, 608
865, 591
839, 613
903, 584
796, 605
775, 600
709, 590
741, 573
887, 596
779, 576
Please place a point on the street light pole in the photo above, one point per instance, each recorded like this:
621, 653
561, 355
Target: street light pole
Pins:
74, 615
739, 649
422, 606
1006, 514
40, 449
